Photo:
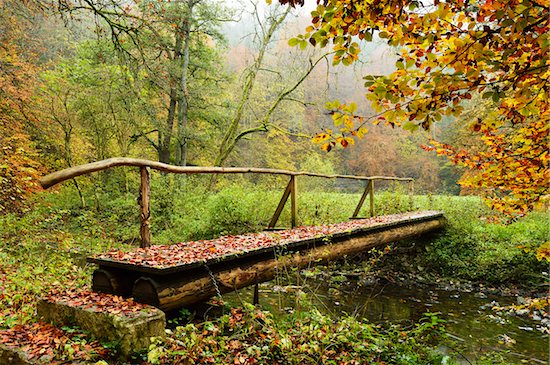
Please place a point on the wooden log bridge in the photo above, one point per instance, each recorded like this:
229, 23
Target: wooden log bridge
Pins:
170, 277
173, 276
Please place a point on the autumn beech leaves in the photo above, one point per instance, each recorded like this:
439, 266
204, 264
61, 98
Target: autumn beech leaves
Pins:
450, 56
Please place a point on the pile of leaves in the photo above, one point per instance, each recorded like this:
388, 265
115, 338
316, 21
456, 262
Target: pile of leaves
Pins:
251, 336
96, 302
163, 256
48, 344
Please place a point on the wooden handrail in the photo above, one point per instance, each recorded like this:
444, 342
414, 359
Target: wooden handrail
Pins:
145, 189
72, 172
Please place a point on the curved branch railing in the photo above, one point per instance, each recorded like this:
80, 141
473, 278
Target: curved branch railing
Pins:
144, 195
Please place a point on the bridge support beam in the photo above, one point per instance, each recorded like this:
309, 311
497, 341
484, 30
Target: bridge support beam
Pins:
289, 191
369, 190
176, 291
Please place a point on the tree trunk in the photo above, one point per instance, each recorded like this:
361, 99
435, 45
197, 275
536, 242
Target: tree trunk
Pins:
183, 101
165, 136
228, 143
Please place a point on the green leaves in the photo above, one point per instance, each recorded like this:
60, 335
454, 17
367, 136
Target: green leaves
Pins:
410, 126
300, 41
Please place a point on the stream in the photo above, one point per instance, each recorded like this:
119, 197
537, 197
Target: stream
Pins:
471, 322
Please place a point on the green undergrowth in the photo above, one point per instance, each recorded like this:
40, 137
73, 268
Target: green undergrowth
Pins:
472, 248
252, 336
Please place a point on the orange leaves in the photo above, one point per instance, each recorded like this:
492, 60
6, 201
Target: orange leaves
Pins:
47, 344
327, 147
511, 170
345, 141
19, 168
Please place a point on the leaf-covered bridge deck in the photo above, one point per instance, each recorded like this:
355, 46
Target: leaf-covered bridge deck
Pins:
168, 259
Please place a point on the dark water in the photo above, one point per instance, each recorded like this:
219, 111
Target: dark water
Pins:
471, 322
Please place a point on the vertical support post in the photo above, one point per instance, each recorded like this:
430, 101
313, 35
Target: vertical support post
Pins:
145, 207
256, 299
288, 192
411, 194
293, 206
371, 197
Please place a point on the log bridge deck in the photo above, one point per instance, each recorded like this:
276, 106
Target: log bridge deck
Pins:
173, 276
170, 277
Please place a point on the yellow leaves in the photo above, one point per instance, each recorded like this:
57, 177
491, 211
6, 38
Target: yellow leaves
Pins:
458, 42
348, 121
361, 131
541, 253
322, 137
447, 57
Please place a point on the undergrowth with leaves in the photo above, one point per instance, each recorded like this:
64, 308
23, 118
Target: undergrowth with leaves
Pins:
46, 248
251, 336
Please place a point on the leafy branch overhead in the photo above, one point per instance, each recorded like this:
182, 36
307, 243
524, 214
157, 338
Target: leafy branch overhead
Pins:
449, 54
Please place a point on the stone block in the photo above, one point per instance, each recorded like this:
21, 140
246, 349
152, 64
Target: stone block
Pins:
127, 324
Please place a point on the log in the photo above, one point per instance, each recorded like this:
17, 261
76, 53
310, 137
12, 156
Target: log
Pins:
113, 281
72, 172
176, 291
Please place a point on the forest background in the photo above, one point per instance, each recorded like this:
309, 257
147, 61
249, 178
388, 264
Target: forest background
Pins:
78, 88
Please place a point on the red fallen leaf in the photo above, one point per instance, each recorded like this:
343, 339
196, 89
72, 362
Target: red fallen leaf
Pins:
40, 339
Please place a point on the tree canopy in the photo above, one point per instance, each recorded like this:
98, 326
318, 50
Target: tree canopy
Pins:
447, 53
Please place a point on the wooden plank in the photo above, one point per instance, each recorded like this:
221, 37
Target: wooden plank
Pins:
145, 207
281, 205
72, 172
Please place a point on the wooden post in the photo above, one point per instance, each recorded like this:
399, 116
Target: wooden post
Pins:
256, 299
371, 197
145, 207
293, 206
361, 201
281, 205
411, 194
